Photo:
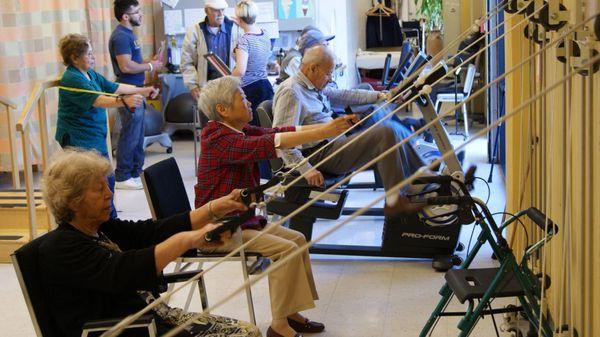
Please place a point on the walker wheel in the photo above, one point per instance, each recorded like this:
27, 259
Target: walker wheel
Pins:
170, 149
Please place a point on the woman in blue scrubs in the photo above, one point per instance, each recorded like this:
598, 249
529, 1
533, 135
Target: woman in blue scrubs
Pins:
82, 115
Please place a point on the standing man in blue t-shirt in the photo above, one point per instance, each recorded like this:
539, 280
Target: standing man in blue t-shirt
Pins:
129, 67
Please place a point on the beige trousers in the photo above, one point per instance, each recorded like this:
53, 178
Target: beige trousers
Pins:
291, 286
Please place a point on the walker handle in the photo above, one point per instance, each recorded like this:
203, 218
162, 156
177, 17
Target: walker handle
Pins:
541, 220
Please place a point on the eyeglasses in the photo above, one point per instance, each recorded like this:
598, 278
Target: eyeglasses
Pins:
134, 13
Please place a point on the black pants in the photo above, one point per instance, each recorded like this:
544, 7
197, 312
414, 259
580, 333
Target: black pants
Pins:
257, 93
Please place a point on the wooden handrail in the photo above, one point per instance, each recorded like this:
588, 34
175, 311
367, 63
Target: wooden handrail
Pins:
37, 98
8, 102
10, 106
38, 90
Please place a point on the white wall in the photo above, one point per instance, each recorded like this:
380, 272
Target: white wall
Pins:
331, 19
352, 20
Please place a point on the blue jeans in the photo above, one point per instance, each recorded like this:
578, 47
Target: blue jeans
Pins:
65, 142
130, 147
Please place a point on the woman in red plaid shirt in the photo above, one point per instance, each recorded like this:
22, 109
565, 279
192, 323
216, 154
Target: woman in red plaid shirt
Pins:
230, 151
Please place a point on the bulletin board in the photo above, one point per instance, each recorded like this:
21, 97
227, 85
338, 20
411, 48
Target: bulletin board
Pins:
173, 16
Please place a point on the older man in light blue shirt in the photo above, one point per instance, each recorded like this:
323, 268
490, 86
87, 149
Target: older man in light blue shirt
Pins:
305, 99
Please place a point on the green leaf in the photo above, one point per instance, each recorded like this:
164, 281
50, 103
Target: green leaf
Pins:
432, 11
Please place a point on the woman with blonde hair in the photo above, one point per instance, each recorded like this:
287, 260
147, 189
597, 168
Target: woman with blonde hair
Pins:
94, 267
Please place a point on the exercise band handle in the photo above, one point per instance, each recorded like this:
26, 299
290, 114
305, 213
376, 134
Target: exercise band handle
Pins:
258, 191
541, 220
228, 224
449, 200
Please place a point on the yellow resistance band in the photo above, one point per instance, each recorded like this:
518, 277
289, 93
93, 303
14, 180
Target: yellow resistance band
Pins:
85, 91
88, 91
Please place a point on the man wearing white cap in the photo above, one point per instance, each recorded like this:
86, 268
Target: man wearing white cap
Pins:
216, 34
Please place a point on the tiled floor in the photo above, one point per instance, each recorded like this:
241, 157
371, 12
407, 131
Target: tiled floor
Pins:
360, 297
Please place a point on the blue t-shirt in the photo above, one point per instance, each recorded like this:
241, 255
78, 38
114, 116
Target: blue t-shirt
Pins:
79, 123
123, 41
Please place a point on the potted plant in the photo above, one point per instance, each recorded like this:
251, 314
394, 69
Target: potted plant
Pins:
431, 11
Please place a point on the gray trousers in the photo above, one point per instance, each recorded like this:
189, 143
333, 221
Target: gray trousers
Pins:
393, 168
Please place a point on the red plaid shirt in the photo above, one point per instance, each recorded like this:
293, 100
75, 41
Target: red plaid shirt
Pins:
229, 159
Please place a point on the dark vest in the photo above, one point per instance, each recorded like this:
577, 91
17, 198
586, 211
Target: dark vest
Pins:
228, 26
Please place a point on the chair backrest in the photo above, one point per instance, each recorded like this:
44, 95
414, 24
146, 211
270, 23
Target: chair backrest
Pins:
386, 69
164, 189
403, 63
26, 263
469, 79
265, 117
416, 64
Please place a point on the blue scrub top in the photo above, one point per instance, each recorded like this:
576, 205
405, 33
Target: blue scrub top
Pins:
80, 124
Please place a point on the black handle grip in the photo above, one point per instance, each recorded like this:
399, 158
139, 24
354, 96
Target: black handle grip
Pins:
541, 220
215, 234
437, 73
228, 224
258, 191
449, 200
444, 179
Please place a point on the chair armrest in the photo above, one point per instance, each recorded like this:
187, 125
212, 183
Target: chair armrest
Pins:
105, 324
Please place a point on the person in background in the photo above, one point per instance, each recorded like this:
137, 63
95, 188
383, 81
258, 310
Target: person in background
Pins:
215, 34
252, 54
129, 67
310, 36
82, 115
302, 100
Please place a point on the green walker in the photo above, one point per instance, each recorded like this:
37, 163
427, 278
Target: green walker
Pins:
511, 279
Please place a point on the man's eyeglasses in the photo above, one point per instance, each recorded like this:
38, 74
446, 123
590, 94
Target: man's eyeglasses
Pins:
133, 13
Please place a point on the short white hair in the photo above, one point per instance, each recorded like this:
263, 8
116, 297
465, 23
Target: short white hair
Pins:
218, 91
246, 11
317, 55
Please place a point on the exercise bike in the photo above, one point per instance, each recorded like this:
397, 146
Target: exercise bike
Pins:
430, 234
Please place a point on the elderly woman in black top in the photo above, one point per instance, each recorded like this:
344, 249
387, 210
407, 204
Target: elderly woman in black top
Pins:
94, 267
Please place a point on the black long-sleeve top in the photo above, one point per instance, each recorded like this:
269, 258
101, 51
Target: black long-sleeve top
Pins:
85, 281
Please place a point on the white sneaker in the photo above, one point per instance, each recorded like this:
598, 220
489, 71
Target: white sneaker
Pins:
138, 180
129, 184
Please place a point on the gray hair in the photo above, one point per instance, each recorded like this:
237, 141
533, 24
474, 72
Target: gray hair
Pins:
218, 91
246, 11
317, 55
67, 178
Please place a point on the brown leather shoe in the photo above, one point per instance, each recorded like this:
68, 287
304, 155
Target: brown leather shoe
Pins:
403, 206
273, 333
307, 326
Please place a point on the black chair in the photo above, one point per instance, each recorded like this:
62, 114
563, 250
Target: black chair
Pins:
403, 63
166, 196
26, 263
329, 207
411, 30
